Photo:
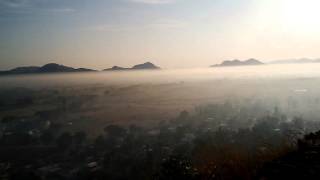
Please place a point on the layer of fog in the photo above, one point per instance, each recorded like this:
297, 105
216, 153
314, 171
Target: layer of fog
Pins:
148, 97
288, 71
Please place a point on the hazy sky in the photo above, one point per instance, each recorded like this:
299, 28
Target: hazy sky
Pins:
170, 33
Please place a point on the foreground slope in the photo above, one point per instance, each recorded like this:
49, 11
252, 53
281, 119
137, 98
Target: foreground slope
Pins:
303, 163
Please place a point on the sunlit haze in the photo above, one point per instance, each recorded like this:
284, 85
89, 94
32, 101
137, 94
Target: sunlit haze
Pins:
170, 33
159, 89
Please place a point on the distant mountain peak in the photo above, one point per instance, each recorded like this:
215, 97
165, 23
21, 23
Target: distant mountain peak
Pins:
253, 60
143, 66
116, 68
52, 64
53, 67
237, 62
47, 68
146, 65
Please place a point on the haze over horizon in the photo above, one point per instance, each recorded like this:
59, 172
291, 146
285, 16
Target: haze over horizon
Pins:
170, 33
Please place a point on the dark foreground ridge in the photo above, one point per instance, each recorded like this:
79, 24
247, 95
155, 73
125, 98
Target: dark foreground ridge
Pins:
147, 65
236, 62
48, 68
303, 163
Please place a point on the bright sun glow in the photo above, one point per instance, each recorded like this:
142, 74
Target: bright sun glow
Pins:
301, 15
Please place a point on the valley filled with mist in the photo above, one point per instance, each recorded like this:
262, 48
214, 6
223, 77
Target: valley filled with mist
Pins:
159, 89
213, 123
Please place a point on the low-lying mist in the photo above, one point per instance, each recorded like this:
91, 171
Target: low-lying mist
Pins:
284, 71
186, 123
148, 97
